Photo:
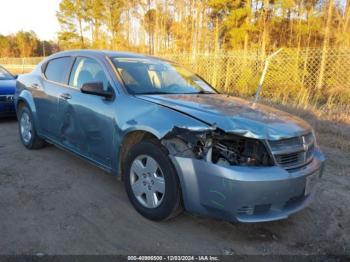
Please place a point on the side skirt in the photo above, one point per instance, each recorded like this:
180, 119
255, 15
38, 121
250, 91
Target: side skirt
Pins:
92, 161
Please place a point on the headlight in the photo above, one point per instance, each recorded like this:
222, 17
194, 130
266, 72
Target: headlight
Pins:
216, 146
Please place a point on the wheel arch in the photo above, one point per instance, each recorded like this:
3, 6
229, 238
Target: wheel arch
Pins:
25, 98
130, 139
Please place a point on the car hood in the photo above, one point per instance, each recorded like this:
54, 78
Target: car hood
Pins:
235, 115
7, 87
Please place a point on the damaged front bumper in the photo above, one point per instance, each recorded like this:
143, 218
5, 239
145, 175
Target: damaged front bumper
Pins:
245, 194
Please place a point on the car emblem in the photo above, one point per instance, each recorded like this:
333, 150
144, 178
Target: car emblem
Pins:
10, 98
305, 145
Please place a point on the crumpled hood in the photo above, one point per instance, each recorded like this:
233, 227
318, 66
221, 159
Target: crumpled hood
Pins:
7, 87
235, 115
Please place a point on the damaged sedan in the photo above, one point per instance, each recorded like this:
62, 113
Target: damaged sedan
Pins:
174, 141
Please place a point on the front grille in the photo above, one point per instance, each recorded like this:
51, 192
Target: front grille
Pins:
281, 144
290, 159
254, 210
6, 98
293, 152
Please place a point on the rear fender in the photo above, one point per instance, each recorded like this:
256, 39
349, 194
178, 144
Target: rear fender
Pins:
26, 97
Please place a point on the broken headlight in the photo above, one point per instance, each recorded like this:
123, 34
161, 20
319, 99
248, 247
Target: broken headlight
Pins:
236, 150
216, 146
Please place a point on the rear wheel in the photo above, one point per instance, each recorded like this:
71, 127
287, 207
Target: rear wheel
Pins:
151, 181
27, 129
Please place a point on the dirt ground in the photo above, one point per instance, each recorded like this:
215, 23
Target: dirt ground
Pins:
52, 202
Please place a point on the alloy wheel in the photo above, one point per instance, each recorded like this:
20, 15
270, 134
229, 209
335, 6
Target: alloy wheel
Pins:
26, 127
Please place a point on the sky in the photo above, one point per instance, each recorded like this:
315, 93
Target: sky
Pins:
36, 15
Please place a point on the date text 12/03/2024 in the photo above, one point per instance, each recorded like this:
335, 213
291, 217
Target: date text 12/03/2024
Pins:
173, 258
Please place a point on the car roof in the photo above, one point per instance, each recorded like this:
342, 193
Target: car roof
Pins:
100, 53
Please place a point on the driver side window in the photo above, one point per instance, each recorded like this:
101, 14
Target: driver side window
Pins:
87, 70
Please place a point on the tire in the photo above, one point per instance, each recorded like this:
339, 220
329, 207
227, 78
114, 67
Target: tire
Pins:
27, 131
144, 185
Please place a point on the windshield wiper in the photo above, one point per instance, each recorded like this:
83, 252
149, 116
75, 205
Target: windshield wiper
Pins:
153, 93
168, 93
201, 93
206, 92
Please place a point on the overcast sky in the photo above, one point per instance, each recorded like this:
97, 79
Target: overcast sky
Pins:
36, 15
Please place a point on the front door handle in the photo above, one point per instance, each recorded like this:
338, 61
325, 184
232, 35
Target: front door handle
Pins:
66, 96
35, 86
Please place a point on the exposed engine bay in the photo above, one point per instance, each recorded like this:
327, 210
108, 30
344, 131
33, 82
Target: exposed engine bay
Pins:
235, 150
218, 147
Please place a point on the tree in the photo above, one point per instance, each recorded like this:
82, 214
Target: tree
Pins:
149, 23
5, 46
114, 9
27, 43
202, 25
71, 16
94, 16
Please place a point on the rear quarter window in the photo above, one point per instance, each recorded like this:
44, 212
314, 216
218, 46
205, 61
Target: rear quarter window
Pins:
57, 70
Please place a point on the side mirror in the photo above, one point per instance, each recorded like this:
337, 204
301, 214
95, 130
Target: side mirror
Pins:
15, 76
97, 90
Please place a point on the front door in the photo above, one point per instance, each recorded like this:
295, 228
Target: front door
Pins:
87, 123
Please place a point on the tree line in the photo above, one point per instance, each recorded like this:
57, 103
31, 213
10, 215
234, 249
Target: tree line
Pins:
190, 26
205, 26
25, 44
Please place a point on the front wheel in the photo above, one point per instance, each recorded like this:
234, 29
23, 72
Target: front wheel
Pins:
151, 181
27, 129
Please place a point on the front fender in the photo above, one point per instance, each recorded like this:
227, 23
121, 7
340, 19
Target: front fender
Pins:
153, 118
133, 114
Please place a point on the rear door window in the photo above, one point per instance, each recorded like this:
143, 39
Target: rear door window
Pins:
57, 70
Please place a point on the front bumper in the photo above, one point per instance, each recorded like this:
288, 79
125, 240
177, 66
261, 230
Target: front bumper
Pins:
7, 109
244, 194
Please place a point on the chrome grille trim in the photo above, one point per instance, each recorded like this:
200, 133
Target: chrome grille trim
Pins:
6, 98
293, 152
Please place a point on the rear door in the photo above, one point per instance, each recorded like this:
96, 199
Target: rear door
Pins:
86, 121
47, 94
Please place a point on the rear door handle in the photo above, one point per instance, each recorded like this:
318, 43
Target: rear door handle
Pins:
66, 96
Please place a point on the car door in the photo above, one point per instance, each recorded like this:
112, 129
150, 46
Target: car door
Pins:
46, 94
86, 121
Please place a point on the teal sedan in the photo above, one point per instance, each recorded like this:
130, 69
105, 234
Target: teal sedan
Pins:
174, 141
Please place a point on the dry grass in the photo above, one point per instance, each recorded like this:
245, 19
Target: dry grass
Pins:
19, 71
294, 76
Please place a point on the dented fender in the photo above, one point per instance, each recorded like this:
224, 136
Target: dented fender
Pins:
145, 116
153, 118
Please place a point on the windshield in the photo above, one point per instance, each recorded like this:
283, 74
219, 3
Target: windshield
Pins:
4, 75
153, 76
